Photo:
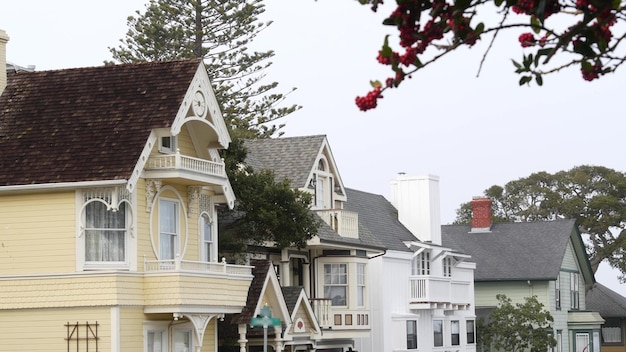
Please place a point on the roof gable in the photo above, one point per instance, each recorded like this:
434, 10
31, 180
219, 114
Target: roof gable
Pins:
86, 124
606, 301
517, 251
301, 313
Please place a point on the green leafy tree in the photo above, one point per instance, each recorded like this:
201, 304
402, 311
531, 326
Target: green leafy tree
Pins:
553, 34
593, 195
517, 327
220, 32
265, 211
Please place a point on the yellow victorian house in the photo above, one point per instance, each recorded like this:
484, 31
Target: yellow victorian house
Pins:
108, 193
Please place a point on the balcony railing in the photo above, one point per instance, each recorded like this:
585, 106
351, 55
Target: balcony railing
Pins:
176, 265
182, 162
344, 222
429, 289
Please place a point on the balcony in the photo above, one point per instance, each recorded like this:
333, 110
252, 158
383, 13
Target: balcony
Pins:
439, 292
178, 282
177, 166
344, 222
339, 318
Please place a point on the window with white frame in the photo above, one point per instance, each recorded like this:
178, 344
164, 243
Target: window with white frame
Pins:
183, 340
559, 341
168, 229
438, 333
336, 283
207, 238
612, 331
106, 231
411, 334
156, 341
447, 267
167, 144
470, 331
360, 284
455, 333
557, 292
421, 264
574, 293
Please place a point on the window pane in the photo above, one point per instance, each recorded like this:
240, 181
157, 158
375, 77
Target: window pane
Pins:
105, 233
168, 227
438, 332
411, 334
337, 294
454, 332
182, 341
155, 341
470, 331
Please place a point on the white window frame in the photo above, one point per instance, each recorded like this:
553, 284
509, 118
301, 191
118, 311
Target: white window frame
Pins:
435, 333
125, 230
333, 279
207, 251
574, 291
455, 330
421, 264
168, 144
470, 331
447, 267
186, 330
411, 335
156, 327
559, 341
360, 284
112, 198
557, 292
175, 234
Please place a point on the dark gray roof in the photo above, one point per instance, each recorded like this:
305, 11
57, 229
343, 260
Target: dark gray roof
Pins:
380, 217
366, 238
291, 294
290, 158
607, 302
513, 251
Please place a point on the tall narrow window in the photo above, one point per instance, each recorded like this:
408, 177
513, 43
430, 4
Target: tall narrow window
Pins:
421, 264
168, 229
411, 334
207, 239
559, 341
156, 341
574, 290
557, 292
183, 341
336, 283
438, 333
470, 331
455, 333
105, 233
447, 267
582, 342
360, 283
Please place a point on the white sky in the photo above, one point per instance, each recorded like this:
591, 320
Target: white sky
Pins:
471, 132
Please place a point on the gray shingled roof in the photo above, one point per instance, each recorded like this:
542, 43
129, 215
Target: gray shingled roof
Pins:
291, 294
380, 217
85, 124
607, 302
290, 158
513, 251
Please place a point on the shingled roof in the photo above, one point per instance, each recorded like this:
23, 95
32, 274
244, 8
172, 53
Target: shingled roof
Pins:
86, 124
380, 218
290, 158
514, 251
607, 302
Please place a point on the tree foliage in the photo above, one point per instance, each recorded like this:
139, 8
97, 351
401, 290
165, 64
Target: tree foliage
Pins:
266, 211
554, 35
517, 327
219, 31
593, 195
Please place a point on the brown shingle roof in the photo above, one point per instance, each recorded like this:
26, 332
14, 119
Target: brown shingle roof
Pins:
85, 124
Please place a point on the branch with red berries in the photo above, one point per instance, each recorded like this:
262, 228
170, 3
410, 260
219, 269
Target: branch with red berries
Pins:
431, 29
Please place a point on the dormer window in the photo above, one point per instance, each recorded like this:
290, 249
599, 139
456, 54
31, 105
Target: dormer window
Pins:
167, 144
321, 166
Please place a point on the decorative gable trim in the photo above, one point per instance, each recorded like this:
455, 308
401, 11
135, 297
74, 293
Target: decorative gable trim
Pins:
141, 163
200, 104
314, 329
324, 153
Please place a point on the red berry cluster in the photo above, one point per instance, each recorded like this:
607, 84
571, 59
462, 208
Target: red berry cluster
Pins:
593, 73
370, 100
527, 39
528, 7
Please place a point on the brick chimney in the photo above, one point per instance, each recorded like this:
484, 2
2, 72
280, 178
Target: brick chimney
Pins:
481, 214
4, 38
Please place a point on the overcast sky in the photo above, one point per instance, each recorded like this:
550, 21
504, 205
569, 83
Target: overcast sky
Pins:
471, 132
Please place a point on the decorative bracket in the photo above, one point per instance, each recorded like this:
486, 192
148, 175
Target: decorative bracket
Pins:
153, 187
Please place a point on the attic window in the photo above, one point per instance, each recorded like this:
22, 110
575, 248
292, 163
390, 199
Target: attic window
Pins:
321, 166
167, 144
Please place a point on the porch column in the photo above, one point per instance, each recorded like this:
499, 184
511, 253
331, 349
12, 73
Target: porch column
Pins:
306, 278
278, 341
242, 329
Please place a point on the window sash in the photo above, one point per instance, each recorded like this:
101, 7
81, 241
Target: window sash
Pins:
470, 331
105, 233
557, 293
207, 236
411, 334
454, 332
336, 283
438, 333
575, 297
168, 229
360, 281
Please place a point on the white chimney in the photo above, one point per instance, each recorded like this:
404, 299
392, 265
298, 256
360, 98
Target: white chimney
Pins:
417, 200
4, 38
